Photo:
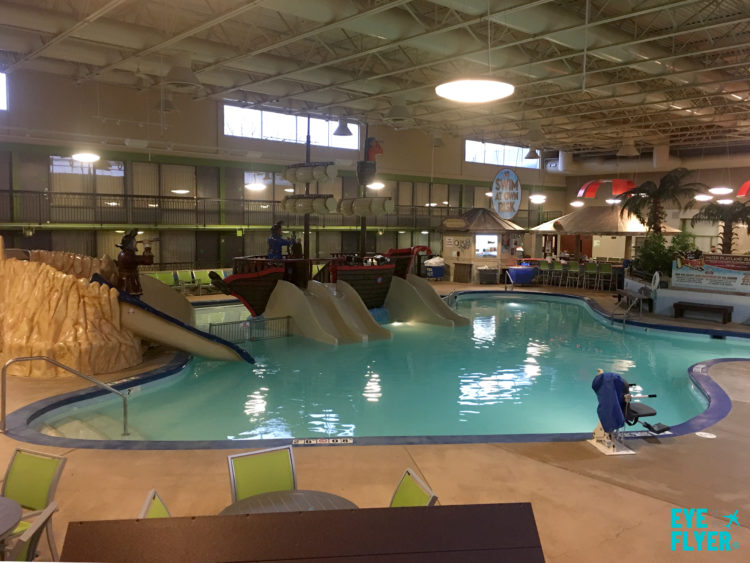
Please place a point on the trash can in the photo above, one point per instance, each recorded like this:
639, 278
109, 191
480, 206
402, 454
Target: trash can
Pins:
487, 276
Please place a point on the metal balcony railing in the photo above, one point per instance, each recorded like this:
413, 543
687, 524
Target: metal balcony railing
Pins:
40, 208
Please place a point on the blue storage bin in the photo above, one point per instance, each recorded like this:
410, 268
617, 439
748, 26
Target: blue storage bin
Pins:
434, 271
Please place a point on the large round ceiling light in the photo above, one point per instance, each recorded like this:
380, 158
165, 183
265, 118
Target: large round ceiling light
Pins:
721, 190
474, 91
85, 157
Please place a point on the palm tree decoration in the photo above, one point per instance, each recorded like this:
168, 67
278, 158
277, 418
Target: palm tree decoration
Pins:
647, 200
730, 215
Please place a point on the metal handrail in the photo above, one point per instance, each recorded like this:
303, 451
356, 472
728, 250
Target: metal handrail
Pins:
70, 370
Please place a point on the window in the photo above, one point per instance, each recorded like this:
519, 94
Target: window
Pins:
498, 155
274, 126
3, 92
486, 245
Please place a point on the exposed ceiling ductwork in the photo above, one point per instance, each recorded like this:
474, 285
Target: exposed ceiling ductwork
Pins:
671, 74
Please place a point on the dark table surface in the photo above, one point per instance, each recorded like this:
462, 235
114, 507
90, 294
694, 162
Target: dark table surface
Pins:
10, 515
288, 501
478, 532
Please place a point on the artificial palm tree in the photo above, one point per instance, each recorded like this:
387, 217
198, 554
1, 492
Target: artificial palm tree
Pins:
730, 215
647, 200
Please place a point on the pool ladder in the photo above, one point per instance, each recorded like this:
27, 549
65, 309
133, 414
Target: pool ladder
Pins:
70, 370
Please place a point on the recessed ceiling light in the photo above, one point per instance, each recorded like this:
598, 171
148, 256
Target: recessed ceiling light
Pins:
153, 205
289, 190
120, 232
255, 187
576, 203
488, 194
111, 203
425, 232
376, 185
612, 201
721, 190
704, 197
473, 91
85, 157
445, 203
180, 192
725, 201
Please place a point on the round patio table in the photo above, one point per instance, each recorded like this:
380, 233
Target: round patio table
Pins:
10, 515
288, 501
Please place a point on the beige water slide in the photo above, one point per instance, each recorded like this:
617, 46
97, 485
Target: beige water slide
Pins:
326, 314
169, 318
415, 300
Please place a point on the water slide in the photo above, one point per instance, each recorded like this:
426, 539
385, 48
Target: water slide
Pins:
415, 300
323, 314
171, 323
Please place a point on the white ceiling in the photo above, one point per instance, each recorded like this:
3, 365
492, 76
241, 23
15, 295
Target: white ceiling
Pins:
587, 74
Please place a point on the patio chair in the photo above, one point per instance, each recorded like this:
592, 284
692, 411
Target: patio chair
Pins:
264, 471
573, 274
167, 278
203, 281
24, 549
185, 280
544, 271
31, 481
605, 276
412, 491
590, 274
154, 506
556, 273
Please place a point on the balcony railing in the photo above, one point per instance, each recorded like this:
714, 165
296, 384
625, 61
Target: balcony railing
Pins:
40, 208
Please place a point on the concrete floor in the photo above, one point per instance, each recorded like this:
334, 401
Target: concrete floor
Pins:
588, 507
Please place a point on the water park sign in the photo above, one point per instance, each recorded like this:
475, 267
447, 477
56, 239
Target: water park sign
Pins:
506, 194
716, 272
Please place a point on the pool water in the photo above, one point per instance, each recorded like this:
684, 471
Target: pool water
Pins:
524, 365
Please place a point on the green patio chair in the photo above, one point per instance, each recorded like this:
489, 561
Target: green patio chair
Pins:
203, 281
573, 274
167, 278
605, 276
24, 549
590, 274
544, 271
185, 280
556, 273
264, 471
31, 481
412, 491
154, 507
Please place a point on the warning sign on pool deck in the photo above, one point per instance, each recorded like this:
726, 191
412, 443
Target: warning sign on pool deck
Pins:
322, 441
717, 272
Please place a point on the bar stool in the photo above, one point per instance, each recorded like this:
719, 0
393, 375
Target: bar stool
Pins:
605, 275
573, 274
590, 274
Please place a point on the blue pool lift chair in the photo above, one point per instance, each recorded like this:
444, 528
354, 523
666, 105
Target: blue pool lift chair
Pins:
412, 491
617, 409
24, 549
263, 471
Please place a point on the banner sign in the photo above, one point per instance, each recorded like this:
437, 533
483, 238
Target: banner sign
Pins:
506, 194
717, 272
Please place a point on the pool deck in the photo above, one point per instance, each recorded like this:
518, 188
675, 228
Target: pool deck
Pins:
588, 507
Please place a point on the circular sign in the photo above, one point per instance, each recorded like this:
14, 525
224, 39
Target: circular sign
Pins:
506, 193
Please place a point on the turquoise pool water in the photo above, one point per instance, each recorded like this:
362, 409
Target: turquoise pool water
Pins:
523, 365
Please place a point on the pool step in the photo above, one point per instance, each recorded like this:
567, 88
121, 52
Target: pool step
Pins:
91, 427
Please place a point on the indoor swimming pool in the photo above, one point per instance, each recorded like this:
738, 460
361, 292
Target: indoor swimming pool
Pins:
524, 365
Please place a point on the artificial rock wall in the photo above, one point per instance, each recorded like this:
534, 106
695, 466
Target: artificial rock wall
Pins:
45, 312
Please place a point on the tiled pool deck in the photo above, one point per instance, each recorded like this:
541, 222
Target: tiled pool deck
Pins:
588, 507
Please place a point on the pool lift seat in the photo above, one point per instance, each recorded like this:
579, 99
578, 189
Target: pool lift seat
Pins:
616, 410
